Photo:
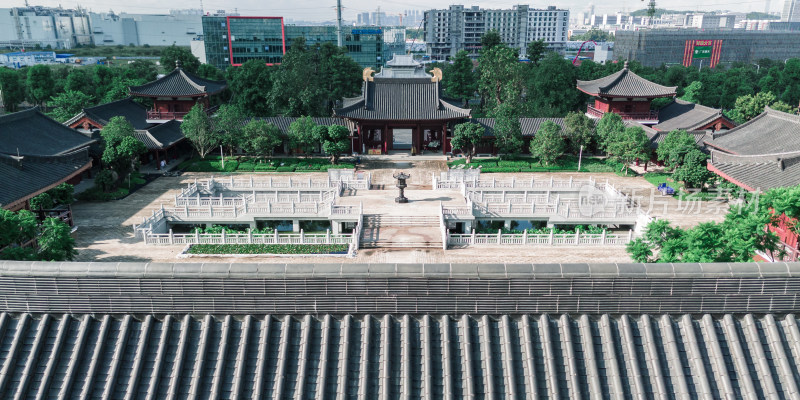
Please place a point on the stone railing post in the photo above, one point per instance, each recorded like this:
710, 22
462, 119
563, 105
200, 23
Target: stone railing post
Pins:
472, 238
224, 237
245, 207
171, 237
551, 181
603, 237
552, 234
577, 236
513, 182
525, 236
210, 210
196, 236
251, 181
630, 235
269, 207
275, 236
292, 208
198, 199
570, 181
494, 182
302, 237
186, 210
327, 236
250, 231
290, 181
499, 236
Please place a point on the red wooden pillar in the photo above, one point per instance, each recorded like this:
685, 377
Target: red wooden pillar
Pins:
387, 139
444, 142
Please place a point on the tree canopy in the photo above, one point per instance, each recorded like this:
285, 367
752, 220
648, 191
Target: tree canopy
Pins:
335, 140
68, 104
261, 138
459, 79
12, 88
548, 144
172, 54
580, 131
674, 148
40, 84
628, 145
121, 148
466, 137
302, 135
197, 128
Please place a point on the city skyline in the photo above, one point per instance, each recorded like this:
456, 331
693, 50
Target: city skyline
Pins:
311, 11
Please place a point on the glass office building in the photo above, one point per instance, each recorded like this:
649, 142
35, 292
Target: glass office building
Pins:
232, 40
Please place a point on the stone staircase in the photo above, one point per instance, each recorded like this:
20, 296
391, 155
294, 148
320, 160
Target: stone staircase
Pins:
391, 231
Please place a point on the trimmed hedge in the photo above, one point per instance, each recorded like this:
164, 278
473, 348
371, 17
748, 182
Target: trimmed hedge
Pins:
268, 249
285, 169
249, 164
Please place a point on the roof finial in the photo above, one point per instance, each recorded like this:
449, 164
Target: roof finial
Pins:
626, 65
178, 64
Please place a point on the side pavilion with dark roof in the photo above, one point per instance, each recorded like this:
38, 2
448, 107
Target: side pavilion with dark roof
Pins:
626, 94
688, 116
174, 94
401, 108
37, 154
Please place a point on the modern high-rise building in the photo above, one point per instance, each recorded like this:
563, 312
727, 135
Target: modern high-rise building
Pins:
234, 40
791, 11
460, 28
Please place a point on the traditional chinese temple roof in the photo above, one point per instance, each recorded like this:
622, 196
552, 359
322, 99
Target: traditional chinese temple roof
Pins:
771, 132
681, 114
625, 83
117, 330
31, 132
179, 83
134, 112
161, 136
758, 172
24, 177
403, 91
528, 126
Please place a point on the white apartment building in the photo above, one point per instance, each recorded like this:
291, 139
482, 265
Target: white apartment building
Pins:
460, 28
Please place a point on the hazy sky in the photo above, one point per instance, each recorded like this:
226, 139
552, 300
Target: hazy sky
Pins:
325, 9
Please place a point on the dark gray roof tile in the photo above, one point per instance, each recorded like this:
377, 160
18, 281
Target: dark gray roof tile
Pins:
401, 99
31, 132
681, 114
179, 83
134, 112
37, 173
625, 83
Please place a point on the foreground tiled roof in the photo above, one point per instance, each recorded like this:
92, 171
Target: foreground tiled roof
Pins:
37, 173
770, 132
685, 115
402, 99
31, 132
758, 171
161, 136
528, 126
179, 83
131, 330
625, 83
135, 113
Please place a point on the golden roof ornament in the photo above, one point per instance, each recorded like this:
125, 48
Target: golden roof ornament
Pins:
437, 75
367, 74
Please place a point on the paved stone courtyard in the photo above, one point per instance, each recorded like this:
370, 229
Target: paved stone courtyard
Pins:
105, 230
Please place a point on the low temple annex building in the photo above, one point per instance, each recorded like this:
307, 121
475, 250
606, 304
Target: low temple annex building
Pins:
37, 154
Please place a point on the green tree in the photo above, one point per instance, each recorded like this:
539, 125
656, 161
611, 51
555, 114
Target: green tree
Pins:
595, 34
639, 250
466, 137
500, 75
608, 128
145, 70
211, 72
490, 39
40, 84
102, 78
172, 54
674, 148
42, 201
693, 170
579, 130
507, 130
121, 148
460, 81
12, 89
548, 144
750, 106
335, 141
340, 75
196, 126
79, 79
119, 88
302, 135
69, 103
16, 227
105, 180
692, 92
536, 50
629, 145
261, 138
229, 122
296, 89
63, 194
55, 241
251, 85
790, 81
550, 88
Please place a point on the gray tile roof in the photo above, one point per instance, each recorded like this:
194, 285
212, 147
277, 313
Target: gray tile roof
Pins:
771, 132
529, 126
135, 113
625, 83
37, 173
656, 136
404, 356
759, 171
31, 132
283, 123
161, 136
179, 83
685, 115
401, 99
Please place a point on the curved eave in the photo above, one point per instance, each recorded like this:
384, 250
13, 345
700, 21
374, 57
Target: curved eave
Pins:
75, 173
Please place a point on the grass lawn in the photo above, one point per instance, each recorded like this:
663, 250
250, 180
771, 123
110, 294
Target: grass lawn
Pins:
268, 249
252, 164
567, 163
